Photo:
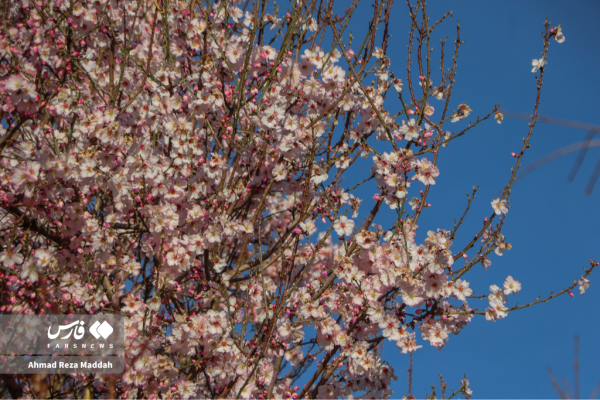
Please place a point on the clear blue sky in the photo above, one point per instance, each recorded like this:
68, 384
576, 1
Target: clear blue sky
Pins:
553, 225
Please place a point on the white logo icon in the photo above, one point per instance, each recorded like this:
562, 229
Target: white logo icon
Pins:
76, 326
104, 330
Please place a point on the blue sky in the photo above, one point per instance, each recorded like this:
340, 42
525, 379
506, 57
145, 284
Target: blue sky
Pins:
552, 225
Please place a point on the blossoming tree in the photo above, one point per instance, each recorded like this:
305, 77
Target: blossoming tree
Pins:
171, 161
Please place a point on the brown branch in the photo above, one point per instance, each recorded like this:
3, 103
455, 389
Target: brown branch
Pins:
35, 226
10, 135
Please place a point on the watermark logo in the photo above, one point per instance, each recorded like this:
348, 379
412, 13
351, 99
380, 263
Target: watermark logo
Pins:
62, 335
76, 327
98, 329
62, 344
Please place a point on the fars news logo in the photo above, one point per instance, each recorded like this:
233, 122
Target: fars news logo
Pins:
97, 330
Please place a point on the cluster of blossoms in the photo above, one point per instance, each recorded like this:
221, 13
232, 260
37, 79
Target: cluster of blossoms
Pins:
497, 298
164, 161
